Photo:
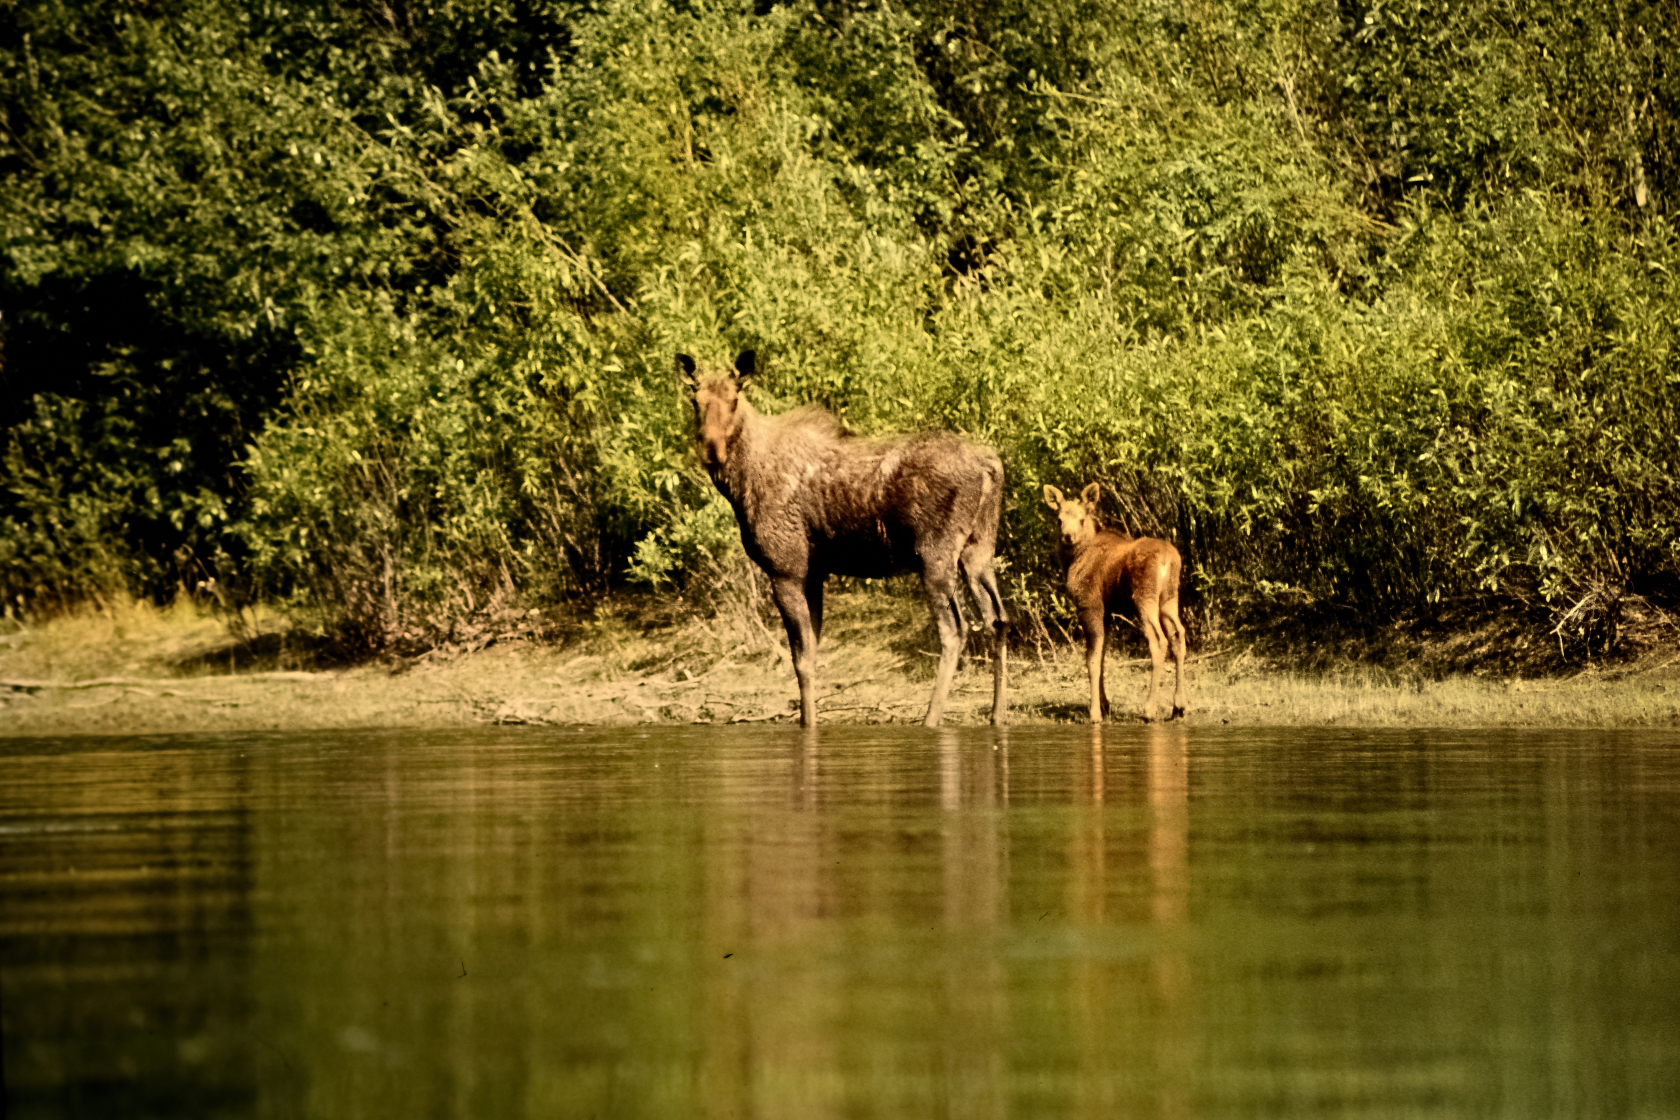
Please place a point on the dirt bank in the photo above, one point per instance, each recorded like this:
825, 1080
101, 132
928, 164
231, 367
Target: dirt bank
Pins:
140, 670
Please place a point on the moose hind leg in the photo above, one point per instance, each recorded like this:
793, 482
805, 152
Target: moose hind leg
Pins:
941, 593
789, 593
982, 582
1174, 627
1149, 615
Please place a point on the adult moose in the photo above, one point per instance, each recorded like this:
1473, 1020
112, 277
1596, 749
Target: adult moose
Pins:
1105, 570
814, 500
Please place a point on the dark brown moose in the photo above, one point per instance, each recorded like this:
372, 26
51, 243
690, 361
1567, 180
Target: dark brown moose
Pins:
1105, 570
814, 500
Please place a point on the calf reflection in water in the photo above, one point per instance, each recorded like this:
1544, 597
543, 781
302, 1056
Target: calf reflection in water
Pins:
813, 500
1169, 868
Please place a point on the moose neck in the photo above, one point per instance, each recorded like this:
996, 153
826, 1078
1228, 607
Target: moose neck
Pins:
735, 476
1071, 549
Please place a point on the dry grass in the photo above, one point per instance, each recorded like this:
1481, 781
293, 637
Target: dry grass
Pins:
169, 671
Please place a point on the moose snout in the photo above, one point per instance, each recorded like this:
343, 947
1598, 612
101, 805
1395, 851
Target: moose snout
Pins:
715, 452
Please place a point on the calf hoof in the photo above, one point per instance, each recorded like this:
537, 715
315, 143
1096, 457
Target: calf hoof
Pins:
1178, 713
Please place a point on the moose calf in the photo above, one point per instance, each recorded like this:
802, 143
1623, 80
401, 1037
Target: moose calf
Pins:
1106, 569
813, 500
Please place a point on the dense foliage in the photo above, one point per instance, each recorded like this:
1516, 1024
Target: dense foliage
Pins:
371, 309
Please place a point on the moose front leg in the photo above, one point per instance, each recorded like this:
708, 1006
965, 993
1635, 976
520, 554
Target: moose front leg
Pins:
814, 601
1095, 624
789, 593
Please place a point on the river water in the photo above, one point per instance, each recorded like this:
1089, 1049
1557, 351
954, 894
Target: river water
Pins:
865, 922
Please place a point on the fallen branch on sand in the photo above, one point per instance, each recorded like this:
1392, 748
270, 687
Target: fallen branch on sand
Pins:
1188, 660
163, 682
758, 719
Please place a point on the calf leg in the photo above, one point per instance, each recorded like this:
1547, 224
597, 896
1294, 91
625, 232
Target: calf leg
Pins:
1149, 614
1094, 621
1175, 635
789, 593
941, 593
982, 582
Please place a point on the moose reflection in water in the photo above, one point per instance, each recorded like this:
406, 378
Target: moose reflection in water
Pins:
814, 500
1105, 570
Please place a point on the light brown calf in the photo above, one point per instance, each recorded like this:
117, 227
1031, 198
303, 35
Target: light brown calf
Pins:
1106, 570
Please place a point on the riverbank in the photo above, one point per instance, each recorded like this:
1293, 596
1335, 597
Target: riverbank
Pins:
143, 670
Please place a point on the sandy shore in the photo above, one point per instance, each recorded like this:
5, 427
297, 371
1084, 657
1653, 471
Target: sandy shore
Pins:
136, 670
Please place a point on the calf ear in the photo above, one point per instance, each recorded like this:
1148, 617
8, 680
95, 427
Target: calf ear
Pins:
1090, 494
685, 368
1052, 497
746, 367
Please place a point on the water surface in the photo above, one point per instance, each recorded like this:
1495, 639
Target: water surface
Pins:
728, 922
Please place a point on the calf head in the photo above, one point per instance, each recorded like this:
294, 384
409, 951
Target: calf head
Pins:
1078, 516
718, 404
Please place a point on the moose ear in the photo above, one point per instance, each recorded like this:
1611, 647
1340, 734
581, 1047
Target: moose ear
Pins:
1090, 494
685, 367
746, 366
1052, 497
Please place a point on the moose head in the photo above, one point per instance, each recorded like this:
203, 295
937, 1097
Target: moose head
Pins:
1077, 515
717, 405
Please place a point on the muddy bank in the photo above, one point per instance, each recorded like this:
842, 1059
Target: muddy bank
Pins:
137, 670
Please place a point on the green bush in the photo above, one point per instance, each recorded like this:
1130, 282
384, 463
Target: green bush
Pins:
375, 316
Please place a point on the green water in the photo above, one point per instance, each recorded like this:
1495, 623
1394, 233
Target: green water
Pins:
870, 922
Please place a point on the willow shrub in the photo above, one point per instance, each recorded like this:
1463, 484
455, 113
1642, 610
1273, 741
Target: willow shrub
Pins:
1194, 314
1351, 312
1498, 424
